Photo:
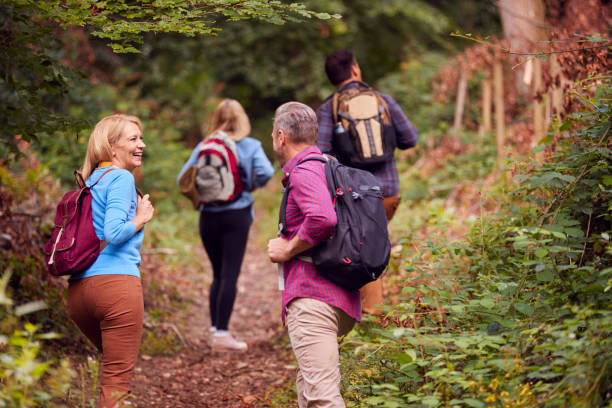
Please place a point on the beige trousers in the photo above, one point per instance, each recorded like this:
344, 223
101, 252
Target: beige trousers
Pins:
314, 328
372, 293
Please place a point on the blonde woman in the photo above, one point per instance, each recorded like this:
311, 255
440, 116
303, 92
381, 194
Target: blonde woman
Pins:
224, 228
105, 301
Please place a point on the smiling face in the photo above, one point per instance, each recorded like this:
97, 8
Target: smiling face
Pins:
127, 152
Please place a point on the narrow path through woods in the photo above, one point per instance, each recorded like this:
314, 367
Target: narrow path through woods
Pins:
199, 377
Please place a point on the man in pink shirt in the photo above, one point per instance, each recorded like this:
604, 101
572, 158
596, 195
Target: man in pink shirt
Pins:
315, 310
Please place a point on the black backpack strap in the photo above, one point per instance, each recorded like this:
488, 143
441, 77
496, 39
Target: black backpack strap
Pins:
282, 216
282, 213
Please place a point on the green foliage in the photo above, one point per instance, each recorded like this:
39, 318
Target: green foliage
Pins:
87, 392
264, 65
27, 379
519, 314
159, 341
35, 87
411, 86
27, 202
266, 208
38, 75
260, 64
124, 23
174, 83
288, 62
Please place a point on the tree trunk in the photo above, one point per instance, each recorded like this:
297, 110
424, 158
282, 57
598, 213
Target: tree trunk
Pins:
524, 26
460, 103
539, 129
557, 90
498, 85
485, 125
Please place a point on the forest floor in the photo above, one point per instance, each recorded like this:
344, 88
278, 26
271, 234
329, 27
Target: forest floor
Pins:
200, 377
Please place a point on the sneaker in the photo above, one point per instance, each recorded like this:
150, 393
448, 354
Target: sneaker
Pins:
227, 342
211, 334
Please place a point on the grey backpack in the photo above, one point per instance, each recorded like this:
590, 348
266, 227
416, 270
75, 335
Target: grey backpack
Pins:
218, 177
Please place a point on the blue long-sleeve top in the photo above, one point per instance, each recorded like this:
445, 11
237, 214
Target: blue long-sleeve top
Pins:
258, 170
113, 205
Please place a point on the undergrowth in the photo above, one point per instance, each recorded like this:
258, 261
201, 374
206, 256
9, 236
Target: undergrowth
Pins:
517, 313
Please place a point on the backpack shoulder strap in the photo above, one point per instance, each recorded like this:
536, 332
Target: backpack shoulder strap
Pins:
336, 97
81, 181
221, 138
335, 107
282, 213
363, 85
78, 177
313, 158
383, 103
345, 86
329, 177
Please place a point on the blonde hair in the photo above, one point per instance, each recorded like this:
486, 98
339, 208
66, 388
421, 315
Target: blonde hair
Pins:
230, 118
105, 134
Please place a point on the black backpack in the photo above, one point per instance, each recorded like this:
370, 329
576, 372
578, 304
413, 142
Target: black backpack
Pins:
358, 251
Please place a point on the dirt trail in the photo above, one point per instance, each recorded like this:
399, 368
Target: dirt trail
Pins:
199, 377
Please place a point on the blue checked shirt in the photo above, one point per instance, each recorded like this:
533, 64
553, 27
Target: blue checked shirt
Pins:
406, 133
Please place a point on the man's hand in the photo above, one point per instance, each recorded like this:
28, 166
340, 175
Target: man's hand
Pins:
281, 250
278, 250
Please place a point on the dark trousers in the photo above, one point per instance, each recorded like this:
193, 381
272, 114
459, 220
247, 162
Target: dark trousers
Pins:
224, 235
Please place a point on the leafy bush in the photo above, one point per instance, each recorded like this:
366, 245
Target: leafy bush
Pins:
518, 315
26, 380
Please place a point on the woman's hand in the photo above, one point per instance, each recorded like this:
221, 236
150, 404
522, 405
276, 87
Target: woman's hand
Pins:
144, 212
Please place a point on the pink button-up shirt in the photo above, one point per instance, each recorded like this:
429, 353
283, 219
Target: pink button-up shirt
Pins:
310, 214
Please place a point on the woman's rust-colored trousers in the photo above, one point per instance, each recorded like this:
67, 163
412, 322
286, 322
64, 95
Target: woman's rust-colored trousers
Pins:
109, 310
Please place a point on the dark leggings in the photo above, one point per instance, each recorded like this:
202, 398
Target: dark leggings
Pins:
224, 235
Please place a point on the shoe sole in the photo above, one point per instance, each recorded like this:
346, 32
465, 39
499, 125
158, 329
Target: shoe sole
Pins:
219, 349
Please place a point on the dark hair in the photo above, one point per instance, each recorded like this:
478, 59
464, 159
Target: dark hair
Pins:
338, 66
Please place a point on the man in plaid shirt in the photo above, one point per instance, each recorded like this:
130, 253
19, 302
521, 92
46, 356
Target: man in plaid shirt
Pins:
342, 69
315, 310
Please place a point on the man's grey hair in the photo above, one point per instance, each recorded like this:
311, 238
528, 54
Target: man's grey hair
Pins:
298, 121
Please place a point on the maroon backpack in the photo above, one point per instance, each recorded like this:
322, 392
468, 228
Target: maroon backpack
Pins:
74, 245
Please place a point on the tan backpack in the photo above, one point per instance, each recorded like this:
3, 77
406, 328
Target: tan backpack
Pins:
364, 136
